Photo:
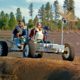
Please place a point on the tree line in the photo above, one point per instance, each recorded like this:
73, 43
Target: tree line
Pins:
9, 21
48, 15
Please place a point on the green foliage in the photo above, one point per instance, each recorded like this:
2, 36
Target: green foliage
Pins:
78, 24
18, 15
31, 10
48, 11
24, 20
42, 13
12, 21
46, 15
4, 18
35, 20
56, 3
30, 24
8, 21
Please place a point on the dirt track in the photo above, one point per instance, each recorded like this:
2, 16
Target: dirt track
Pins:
50, 67
38, 69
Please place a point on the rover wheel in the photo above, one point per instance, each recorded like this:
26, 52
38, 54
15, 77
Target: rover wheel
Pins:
3, 48
68, 53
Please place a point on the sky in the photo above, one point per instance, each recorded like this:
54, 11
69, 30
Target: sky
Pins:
11, 6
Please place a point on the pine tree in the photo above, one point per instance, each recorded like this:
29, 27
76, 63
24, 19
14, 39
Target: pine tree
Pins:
35, 20
19, 15
6, 21
56, 10
4, 18
47, 10
41, 13
48, 15
12, 21
30, 24
2, 14
69, 8
45, 15
24, 20
31, 10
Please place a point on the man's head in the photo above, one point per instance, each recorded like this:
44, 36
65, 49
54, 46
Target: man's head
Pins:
21, 24
39, 25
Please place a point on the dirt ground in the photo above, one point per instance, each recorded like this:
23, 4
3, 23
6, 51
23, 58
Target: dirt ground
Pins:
38, 69
50, 67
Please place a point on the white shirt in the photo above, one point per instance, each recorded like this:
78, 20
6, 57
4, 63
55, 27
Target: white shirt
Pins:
39, 35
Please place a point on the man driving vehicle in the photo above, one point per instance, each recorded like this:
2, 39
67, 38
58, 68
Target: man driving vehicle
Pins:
19, 34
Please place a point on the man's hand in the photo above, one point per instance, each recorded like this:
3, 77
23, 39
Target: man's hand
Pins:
22, 36
17, 34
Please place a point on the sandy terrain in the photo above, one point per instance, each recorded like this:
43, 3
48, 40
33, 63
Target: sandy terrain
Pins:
38, 69
50, 67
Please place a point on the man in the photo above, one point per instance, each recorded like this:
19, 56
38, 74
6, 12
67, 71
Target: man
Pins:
19, 35
36, 33
36, 36
18, 30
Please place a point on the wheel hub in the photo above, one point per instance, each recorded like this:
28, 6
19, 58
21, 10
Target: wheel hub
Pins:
26, 50
67, 52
